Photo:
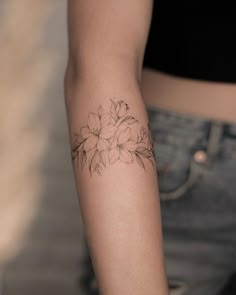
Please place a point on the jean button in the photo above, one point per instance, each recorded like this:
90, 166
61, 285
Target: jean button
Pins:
200, 157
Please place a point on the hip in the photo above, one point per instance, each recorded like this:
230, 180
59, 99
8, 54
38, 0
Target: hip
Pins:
194, 154
209, 100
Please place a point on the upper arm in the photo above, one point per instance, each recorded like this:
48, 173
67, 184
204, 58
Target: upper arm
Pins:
108, 32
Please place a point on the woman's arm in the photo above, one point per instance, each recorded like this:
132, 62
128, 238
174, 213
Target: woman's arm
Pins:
111, 147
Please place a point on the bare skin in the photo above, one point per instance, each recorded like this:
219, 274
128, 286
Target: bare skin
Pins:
211, 100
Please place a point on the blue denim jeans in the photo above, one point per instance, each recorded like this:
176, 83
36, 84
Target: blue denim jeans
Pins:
196, 166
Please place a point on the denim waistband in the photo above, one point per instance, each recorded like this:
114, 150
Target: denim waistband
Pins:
215, 136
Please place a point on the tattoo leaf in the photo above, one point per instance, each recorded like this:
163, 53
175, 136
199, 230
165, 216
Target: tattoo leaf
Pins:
151, 160
103, 159
113, 109
141, 149
126, 156
90, 154
95, 161
143, 133
84, 159
145, 152
140, 161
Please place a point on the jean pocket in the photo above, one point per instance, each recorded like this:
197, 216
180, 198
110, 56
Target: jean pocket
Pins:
177, 170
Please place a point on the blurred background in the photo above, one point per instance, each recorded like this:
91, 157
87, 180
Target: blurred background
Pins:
41, 233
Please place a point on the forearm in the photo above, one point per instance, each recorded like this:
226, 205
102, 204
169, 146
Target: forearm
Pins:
116, 181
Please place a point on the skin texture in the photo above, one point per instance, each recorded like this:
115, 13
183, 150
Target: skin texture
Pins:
117, 183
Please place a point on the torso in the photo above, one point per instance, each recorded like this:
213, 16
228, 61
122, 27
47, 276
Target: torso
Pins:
213, 100
190, 62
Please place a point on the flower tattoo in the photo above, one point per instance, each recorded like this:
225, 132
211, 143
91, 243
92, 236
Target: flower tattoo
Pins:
108, 138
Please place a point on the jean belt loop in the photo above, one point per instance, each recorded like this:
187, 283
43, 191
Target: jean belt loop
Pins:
215, 134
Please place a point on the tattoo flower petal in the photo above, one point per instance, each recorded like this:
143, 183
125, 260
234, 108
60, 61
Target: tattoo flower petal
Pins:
85, 132
90, 142
105, 119
113, 143
121, 109
94, 123
102, 144
130, 145
124, 136
108, 131
81, 147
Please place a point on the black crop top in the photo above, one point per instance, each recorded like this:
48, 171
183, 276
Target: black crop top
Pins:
193, 40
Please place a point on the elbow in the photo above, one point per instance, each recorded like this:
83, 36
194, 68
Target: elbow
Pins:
113, 69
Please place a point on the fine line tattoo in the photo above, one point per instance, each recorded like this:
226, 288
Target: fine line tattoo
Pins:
108, 138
